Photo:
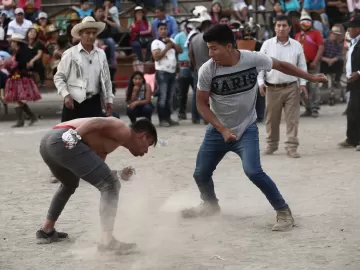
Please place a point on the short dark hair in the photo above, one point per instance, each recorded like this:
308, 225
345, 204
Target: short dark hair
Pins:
281, 18
161, 24
220, 33
83, 2
98, 8
145, 125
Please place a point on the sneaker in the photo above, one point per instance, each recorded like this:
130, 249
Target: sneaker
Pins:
116, 246
315, 114
182, 116
307, 113
47, 238
205, 209
164, 124
261, 8
345, 144
284, 220
250, 7
173, 123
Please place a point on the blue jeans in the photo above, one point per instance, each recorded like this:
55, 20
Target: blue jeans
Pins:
137, 48
111, 44
194, 111
165, 82
140, 111
212, 151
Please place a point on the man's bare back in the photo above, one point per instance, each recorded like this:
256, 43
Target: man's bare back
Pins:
101, 139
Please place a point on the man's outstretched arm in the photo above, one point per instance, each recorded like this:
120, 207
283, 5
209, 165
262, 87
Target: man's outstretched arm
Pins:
292, 70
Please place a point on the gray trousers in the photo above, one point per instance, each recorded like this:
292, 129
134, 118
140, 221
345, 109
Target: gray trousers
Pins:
69, 165
312, 103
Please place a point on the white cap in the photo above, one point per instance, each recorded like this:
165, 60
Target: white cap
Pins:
19, 10
42, 15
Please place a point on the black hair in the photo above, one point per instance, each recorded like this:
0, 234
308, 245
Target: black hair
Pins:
83, 2
211, 11
283, 18
145, 125
97, 8
111, 1
161, 24
225, 16
131, 84
220, 33
62, 41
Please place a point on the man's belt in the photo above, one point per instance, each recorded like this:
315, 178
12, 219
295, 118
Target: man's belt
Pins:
184, 64
280, 84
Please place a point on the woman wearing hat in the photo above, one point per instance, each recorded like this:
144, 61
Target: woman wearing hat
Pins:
20, 87
41, 25
141, 36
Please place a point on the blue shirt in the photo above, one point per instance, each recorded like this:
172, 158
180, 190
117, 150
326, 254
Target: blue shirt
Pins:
292, 5
171, 26
180, 40
83, 14
314, 4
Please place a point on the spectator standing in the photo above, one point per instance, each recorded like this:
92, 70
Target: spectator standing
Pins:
313, 46
199, 54
161, 17
36, 48
164, 51
20, 25
332, 60
281, 90
353, 86
185, 78
19, 77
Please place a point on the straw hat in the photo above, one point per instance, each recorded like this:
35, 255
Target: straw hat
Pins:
51, 29
87, 23
18, 38
74, 17
336, 30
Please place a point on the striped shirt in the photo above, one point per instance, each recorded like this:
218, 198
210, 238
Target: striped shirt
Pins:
291, 52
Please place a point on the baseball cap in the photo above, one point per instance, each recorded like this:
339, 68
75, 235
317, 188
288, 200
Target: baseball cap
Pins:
42, 15
19, 10
354, 21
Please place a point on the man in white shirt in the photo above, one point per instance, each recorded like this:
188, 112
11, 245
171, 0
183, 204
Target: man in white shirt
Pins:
164, 52
83, 77
112, 11
20, 25
282, 91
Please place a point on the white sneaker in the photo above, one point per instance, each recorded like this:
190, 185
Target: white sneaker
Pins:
250, 7
262, 8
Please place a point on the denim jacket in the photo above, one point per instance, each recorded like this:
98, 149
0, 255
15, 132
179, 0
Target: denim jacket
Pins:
69, 77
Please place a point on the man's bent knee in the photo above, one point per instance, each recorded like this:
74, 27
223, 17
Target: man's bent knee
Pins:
110, 184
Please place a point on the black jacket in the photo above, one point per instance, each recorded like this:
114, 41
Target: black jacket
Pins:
355, 67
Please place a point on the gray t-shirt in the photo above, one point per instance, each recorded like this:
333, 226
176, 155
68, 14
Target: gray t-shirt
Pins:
234, 89
200, 49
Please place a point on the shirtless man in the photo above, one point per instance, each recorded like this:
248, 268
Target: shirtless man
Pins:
77, 149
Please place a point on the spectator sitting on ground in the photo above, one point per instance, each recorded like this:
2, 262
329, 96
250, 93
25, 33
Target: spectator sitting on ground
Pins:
84, 9
170, 22
41, 25
138, 97
20, 25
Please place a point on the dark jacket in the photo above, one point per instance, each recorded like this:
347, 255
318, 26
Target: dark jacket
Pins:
355, 67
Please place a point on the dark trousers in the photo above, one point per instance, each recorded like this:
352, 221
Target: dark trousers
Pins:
137, 49
336, 68
194, 111
353, 118
88, 108
140, 111
185, 81
69, 165
165, 82
212, 151
260, 107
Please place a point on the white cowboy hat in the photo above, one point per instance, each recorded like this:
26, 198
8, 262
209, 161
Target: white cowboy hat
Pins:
18, 38
87, 23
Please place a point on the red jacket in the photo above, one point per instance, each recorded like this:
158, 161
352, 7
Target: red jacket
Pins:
142, 28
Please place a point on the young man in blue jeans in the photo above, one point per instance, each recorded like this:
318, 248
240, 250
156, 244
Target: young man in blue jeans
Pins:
229, 81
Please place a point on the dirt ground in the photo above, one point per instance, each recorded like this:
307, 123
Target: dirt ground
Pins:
320, 187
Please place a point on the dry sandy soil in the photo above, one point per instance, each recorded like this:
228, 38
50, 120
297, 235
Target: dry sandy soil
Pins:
320, 187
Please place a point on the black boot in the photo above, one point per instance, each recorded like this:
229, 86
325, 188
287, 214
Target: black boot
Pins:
33, 117
20, 117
